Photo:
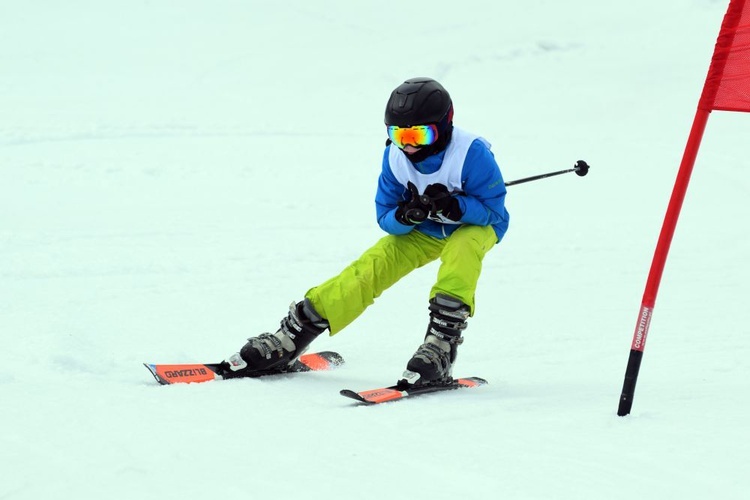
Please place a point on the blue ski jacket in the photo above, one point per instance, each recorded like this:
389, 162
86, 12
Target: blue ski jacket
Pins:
482, 201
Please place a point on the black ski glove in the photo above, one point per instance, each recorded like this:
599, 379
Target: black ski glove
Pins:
413, 211
442, 202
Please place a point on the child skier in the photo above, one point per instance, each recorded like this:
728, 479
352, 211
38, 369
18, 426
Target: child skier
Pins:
440, 194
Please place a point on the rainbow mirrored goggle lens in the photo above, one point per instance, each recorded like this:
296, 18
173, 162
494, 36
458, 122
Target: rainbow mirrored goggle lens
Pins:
417, 136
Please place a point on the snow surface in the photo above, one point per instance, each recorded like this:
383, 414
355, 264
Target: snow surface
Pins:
174, 174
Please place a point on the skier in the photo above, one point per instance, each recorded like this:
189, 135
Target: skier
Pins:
440, 194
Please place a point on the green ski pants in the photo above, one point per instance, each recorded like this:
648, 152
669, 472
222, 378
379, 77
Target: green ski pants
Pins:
343, 298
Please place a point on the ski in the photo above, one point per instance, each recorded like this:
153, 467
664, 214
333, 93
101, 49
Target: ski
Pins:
404, 390
167, 374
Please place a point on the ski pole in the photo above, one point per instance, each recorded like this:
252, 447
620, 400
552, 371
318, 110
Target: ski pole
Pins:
581, 168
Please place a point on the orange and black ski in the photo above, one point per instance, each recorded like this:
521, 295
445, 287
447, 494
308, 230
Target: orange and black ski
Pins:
404, 390
167, 374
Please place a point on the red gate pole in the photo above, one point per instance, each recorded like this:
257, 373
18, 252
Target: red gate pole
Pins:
659, 260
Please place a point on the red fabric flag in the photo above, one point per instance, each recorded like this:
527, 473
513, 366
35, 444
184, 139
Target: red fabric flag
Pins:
728, 83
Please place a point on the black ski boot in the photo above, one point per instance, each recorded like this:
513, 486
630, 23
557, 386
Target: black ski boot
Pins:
433, 361
271, 352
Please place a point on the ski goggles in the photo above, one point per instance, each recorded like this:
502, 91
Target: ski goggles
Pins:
417, 136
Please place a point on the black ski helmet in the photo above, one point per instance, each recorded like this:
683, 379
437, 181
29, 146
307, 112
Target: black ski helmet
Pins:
418, 101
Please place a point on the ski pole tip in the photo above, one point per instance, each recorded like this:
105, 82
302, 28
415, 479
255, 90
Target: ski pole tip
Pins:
581, 168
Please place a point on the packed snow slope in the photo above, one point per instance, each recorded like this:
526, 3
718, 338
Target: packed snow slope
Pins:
174, 174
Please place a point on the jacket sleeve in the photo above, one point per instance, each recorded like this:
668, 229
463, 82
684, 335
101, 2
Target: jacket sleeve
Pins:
390, 192
483, 200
